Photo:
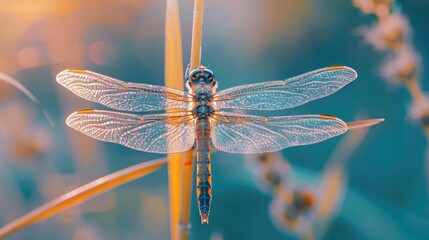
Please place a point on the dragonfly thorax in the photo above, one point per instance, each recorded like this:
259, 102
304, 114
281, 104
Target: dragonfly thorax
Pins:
203, 97
203, 107
203, 111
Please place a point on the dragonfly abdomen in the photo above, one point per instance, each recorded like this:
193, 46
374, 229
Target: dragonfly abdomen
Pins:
204, 176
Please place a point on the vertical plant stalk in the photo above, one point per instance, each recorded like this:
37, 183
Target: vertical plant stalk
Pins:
179, 164
82, 194
186, 195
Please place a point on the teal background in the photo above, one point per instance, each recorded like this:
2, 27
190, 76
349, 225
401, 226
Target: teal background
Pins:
387, 192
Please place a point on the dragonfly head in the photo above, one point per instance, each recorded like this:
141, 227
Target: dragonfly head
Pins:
200, 75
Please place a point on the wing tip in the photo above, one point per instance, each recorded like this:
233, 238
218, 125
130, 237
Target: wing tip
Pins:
69, 70
344, 128
70, 119
341, 67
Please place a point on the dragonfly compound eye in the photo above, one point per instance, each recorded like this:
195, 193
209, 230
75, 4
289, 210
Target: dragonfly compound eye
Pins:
193, 74
208, 74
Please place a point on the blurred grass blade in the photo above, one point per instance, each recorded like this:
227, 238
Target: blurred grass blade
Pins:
20, 87
82, 194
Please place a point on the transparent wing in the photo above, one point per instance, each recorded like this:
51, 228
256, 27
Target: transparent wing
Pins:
283, 94
116, 94
157, 133
247, 134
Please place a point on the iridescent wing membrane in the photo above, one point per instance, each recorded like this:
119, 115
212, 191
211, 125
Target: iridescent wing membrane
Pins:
283, 94
175, 132
120, 95
247, 134
158, 133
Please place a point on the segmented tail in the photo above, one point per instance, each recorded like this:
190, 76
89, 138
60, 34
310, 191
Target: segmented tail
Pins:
204, 175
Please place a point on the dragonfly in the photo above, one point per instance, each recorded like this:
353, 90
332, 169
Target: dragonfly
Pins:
198, 118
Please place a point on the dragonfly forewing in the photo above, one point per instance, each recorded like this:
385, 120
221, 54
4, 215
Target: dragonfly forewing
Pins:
283, 94
157, 133
247, 134
120, 95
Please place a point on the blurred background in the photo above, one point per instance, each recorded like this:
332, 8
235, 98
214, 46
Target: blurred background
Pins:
383, 186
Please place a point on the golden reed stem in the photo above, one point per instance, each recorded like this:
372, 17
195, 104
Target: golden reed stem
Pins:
185, 207
174, 79
180, 164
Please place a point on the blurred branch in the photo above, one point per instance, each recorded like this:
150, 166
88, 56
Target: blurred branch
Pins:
82, 194
392, 33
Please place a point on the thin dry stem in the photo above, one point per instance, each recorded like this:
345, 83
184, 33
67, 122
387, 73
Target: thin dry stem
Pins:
82, 194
